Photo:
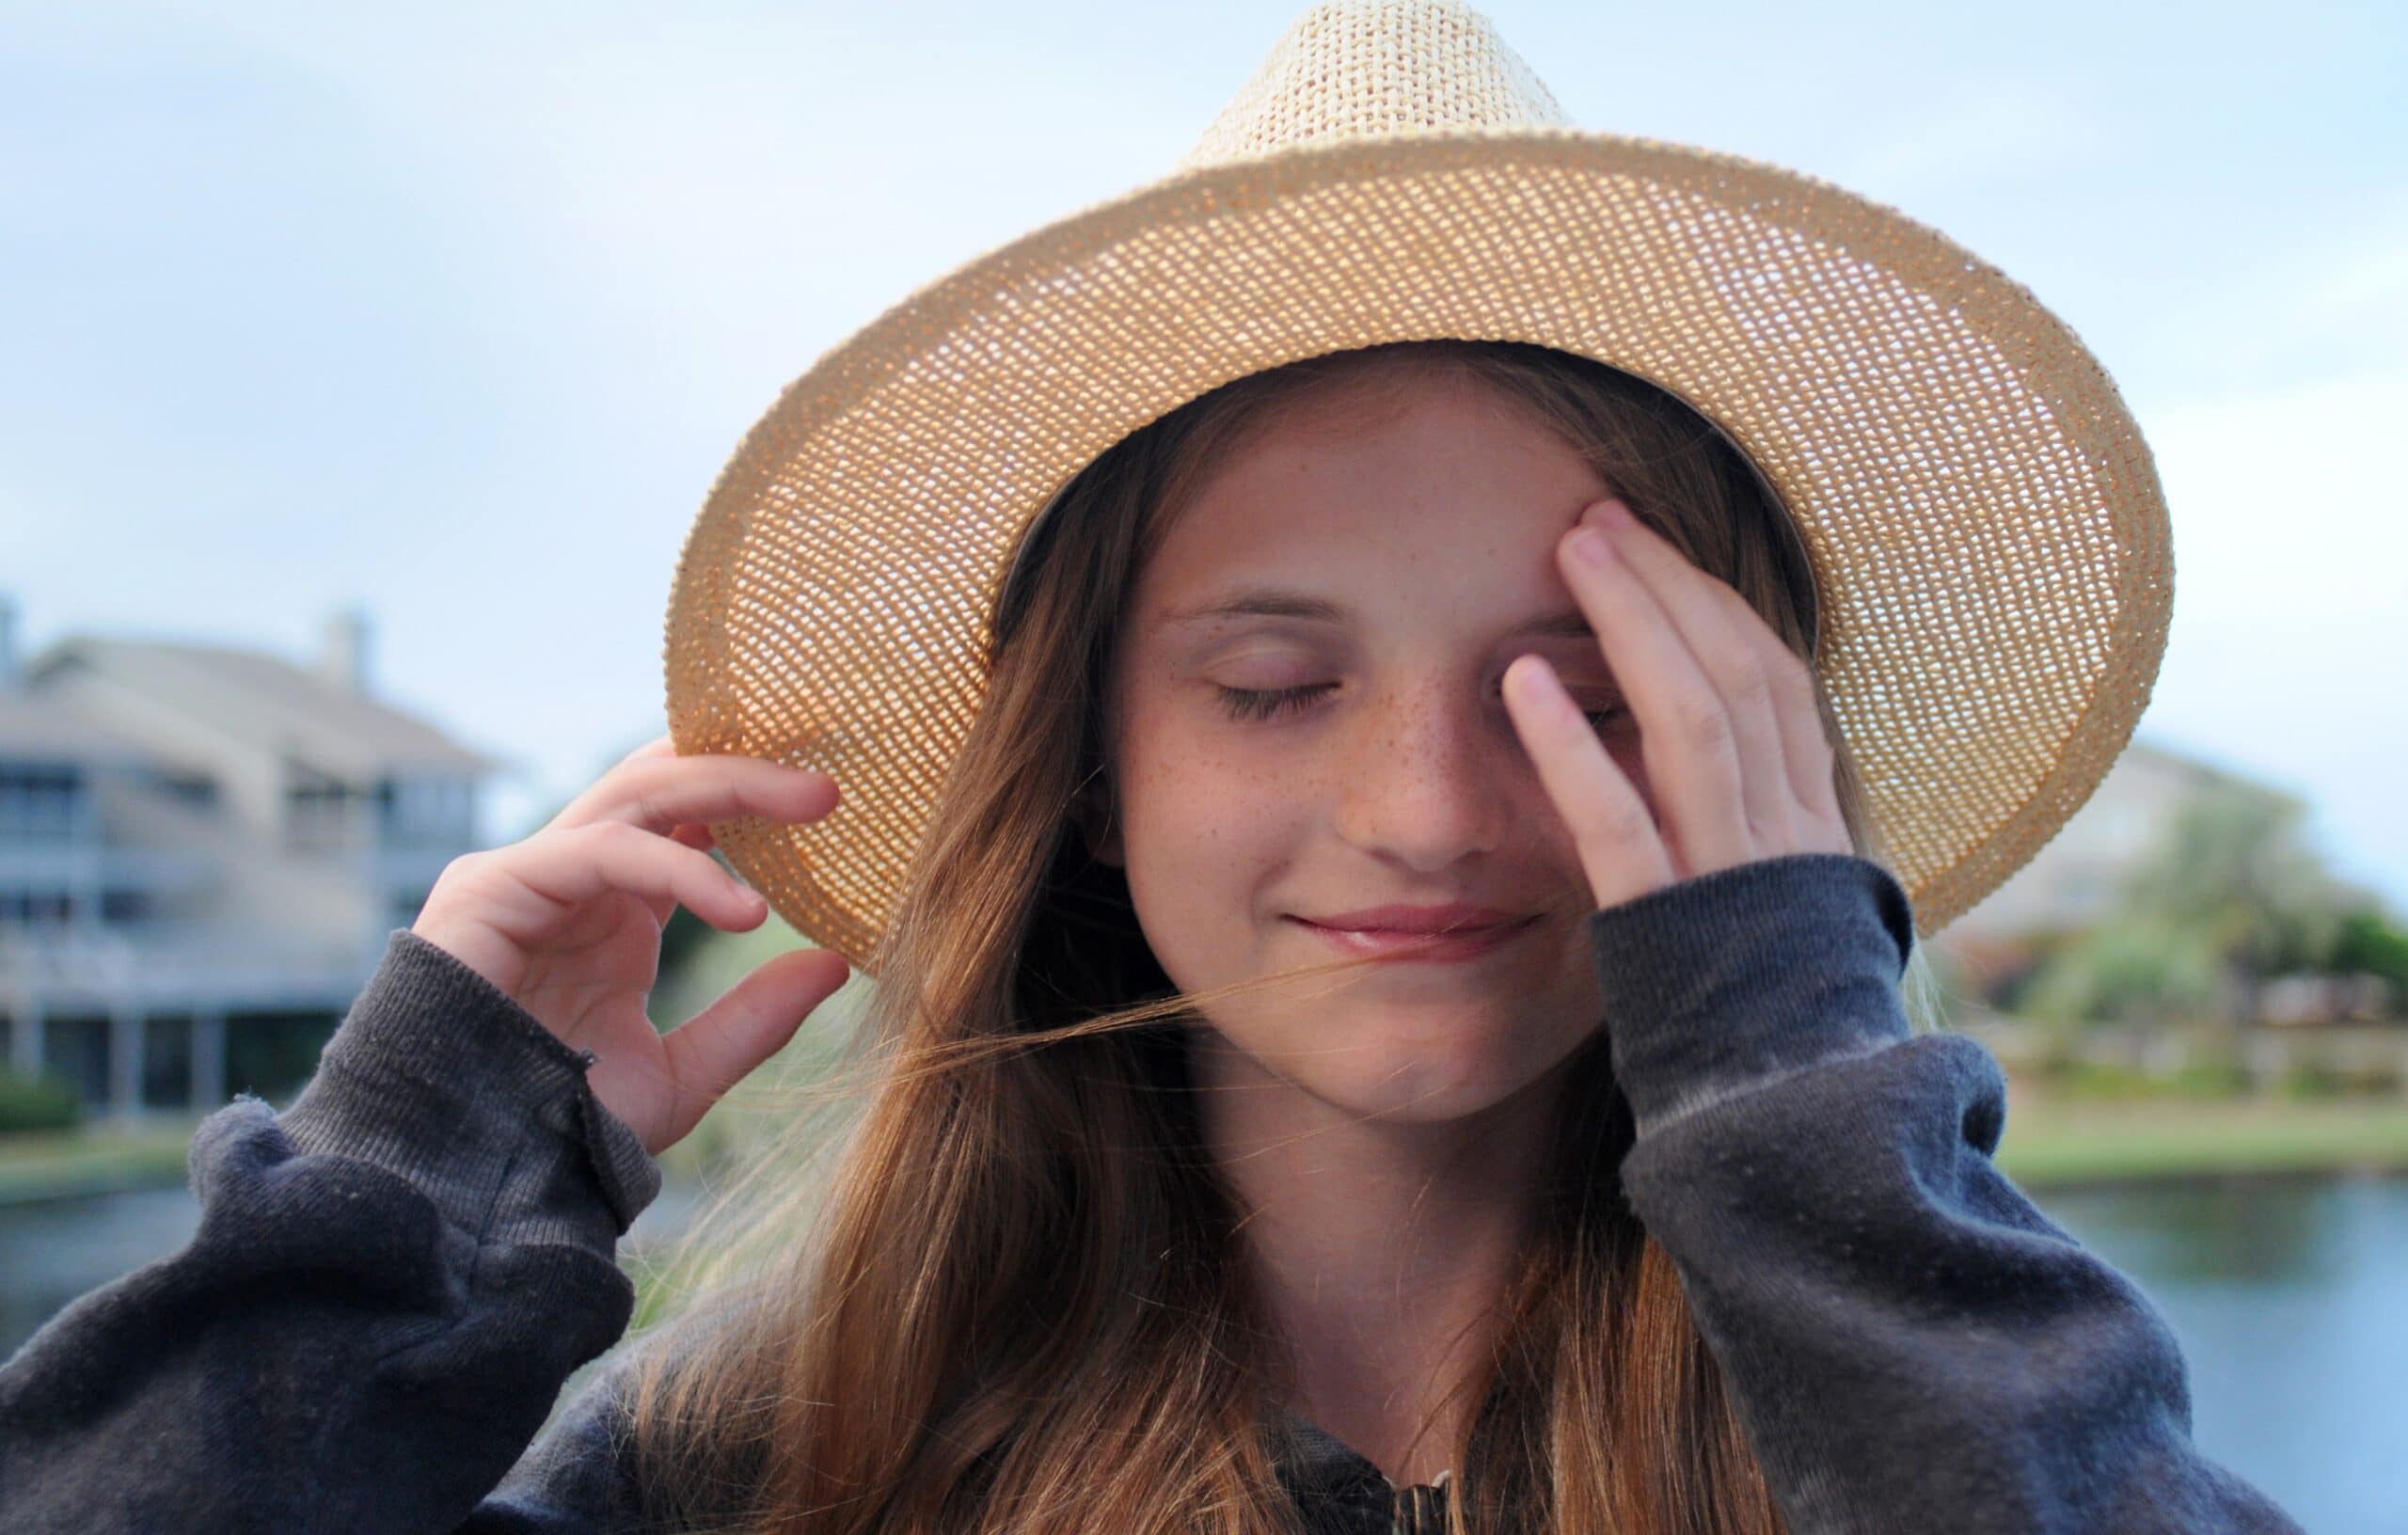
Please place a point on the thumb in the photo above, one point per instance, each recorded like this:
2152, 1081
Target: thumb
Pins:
751, 1020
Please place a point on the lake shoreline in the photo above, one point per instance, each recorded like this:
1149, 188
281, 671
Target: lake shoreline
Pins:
2055, 1141
2050, 1141
44, 1166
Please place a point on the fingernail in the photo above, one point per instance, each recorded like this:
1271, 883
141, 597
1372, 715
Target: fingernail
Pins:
1590, 547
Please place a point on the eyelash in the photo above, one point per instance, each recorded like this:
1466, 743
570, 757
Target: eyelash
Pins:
1263, 703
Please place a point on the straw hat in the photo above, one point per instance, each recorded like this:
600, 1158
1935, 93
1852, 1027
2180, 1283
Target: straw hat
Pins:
1987, 530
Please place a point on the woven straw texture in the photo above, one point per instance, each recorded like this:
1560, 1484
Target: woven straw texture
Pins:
1988, 536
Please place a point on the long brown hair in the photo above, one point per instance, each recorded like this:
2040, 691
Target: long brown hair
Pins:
1004, 1294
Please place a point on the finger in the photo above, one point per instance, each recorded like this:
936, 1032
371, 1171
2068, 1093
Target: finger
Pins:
661, 792
1685, 735
1814, 767
576, 864
1807, 755
753, 1021
1722, 638
690, 835
1619, 849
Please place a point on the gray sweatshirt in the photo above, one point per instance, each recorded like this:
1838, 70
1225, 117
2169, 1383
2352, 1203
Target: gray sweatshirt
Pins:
393, 1279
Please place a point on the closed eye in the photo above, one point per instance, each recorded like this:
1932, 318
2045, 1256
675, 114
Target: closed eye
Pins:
1264, 704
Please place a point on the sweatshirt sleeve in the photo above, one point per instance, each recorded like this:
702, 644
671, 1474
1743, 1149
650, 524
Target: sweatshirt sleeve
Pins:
1909, 1344
390, 1284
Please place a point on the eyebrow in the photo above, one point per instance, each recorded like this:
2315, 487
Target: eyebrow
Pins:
1279, 602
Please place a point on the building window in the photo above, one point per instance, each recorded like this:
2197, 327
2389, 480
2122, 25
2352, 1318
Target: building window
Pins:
198, 790
317, 810
38, 803
424, 812
35, 908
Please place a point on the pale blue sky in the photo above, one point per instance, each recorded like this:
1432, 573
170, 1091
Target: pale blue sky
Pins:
455, 311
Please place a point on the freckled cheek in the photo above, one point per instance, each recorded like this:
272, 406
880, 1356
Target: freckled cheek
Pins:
1209, 833
1203, 810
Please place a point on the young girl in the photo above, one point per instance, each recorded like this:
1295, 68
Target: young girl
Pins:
1394, 1021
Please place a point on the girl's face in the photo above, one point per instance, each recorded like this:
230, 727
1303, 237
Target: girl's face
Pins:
1381, 574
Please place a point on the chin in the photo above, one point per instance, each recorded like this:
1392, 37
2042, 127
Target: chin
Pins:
1422, 1081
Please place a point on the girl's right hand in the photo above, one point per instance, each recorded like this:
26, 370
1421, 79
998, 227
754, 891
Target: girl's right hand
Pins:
567, 924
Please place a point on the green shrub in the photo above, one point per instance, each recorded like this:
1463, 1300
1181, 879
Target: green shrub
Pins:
2307, 1080
2208, 1078
2370, 944
40, 1104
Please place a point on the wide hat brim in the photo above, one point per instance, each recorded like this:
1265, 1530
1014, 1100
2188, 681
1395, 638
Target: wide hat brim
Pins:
1988, 534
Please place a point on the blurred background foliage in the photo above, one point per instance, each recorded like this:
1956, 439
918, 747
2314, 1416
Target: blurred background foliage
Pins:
2231, 894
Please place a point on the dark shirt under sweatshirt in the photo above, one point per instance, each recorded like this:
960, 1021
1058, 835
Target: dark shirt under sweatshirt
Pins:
393, 1279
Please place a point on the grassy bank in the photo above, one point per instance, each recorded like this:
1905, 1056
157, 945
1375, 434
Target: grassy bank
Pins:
2055, 1140
93, 1159
2050, 1139
101, 1158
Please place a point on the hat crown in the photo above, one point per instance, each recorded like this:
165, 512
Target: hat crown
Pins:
1369, 69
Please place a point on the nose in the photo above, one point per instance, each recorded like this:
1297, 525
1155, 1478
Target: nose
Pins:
1422, 783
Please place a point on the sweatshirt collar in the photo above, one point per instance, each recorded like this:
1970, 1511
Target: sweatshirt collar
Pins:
1341, 1490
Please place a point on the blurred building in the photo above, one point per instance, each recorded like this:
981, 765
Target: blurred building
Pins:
197, 837
2073, 882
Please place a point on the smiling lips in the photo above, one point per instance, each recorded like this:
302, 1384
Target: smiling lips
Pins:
1428, 933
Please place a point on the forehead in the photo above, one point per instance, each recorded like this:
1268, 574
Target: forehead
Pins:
1437, 480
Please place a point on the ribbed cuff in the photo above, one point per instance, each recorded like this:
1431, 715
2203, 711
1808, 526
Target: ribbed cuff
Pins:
438, 1075
1730, 980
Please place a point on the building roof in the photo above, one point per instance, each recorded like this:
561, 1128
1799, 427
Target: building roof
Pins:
32, 726
319, 721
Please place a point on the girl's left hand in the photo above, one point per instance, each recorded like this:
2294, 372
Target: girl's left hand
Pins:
1734, 744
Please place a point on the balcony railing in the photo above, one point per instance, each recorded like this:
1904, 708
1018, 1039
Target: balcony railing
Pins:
175, 963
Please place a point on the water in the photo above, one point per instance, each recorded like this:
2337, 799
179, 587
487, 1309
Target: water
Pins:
2289, 1297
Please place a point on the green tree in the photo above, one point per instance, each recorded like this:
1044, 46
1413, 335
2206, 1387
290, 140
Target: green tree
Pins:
2133, 968
2229, 894
2235, 866
2371, 945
